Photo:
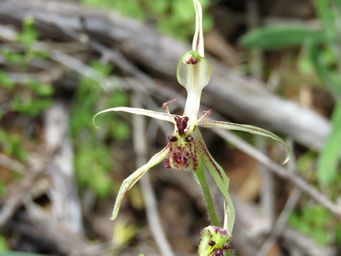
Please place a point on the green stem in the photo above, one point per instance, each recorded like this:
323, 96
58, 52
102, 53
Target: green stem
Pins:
200, 174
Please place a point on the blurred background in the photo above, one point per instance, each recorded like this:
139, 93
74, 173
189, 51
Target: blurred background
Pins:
275, 64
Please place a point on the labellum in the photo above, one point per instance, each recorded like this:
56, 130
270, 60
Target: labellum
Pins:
182, 149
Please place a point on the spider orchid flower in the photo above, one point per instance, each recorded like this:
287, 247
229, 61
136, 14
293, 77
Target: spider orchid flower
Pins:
186, 149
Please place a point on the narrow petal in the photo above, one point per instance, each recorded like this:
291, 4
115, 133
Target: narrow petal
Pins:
129, 182
201, 177
137, 111
221, 180
206, 123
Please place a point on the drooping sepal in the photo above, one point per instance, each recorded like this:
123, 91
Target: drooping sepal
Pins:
129, 182
206, 190
220, 179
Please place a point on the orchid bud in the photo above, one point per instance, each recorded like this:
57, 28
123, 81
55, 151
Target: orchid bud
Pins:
215, 241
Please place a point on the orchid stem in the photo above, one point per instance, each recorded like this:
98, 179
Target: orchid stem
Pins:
200, 174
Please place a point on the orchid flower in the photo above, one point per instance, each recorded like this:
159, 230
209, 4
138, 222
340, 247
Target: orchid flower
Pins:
186, 149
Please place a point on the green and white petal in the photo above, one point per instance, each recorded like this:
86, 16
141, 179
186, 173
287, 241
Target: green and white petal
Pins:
138, 111
207, 123
194, 77
129, 182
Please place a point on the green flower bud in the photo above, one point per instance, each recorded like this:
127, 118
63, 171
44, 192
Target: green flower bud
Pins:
215, 241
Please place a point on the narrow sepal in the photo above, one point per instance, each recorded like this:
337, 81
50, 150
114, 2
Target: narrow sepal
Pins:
138, 111
129, 182
201, 177
221, 180
207, 123
198, 39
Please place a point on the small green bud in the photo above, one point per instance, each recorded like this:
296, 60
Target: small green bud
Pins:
215, 241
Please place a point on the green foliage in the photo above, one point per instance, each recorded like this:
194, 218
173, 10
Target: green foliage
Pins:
2, 192
316, 222
173, 17
29, 97
29, 106
29, 34
34, 96
323, 56
327, 17
329, 157
3, 244
280, 36
305, 164
12, 57
177, 18
130, 8
93, 165
322, 60
92, 160
338, 234
39, 89
161, 7
10, 144
330, 16
5, 80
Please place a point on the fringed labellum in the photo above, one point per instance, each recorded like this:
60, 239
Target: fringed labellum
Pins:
182, 149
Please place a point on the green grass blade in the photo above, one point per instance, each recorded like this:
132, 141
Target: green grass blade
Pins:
326, 16
331, 82
280, 36
338, 5
329, 157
